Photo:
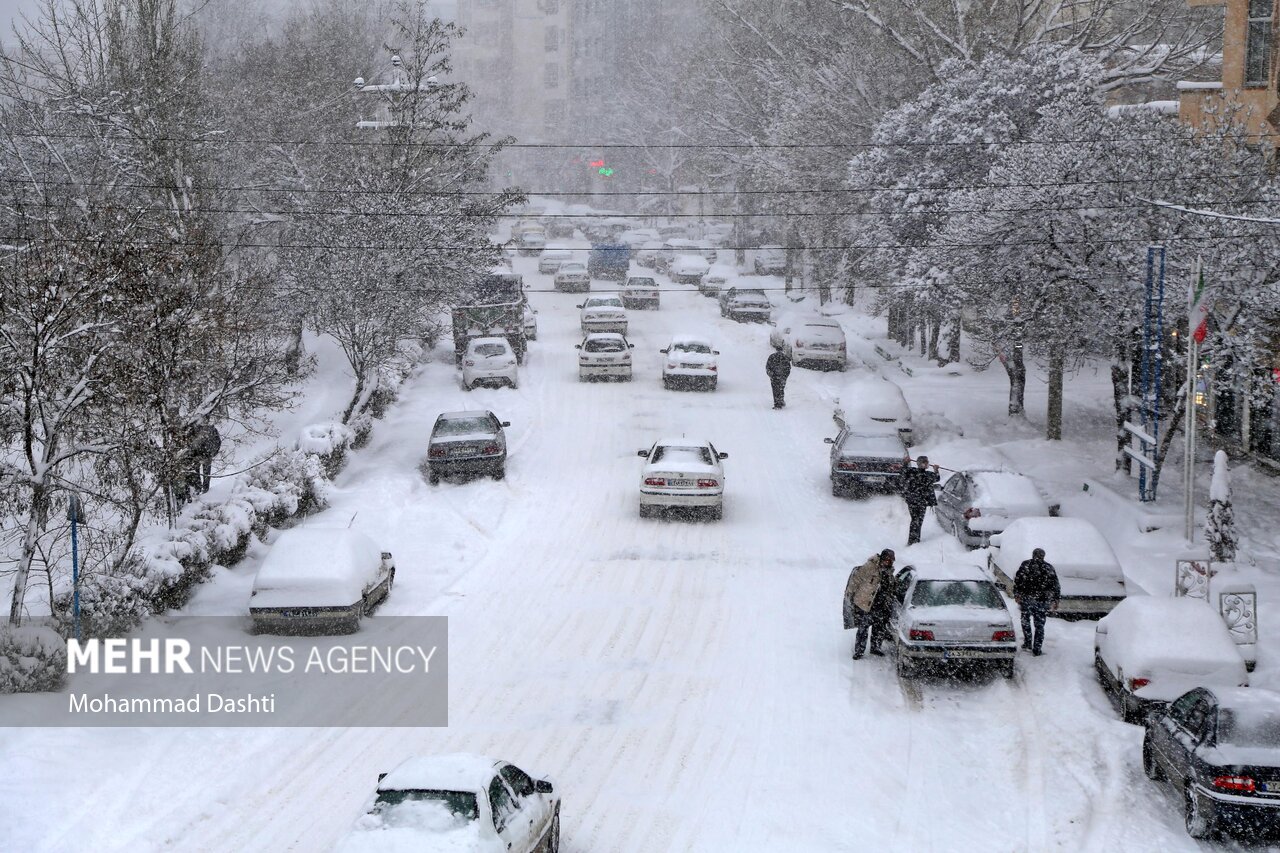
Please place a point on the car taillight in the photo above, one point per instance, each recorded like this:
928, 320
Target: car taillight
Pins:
1239, 784
920, 634
1138, 683
490, 449
800, 343
435, 452
847, 466
626, 356
470, 363
671, 365
1003, 637
711, 367
895, 467
654, 481
972, 512
708, 484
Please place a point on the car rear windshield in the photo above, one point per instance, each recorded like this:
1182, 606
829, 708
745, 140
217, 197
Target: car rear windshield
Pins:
673, 454
607, 345
690, 346
603, 302
641, 282
460, 803
491, 349
1252, 728
957, 593
463, 426
572, 267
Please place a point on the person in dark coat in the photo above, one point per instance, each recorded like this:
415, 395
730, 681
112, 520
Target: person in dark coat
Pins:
778, 366
1036, 589
882, 607
203, 446
860, 595
918, 490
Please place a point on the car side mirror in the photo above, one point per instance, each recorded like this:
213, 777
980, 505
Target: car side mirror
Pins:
577, 346
506, 423
643, 453
544, 786
381, 776
663, 351
579, 306
715, 352
631, 346
828, 441
722, 455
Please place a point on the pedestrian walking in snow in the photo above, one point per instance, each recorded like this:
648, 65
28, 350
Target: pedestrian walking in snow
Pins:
778, 367
860, 596
918, 490
882, 607
203, 445
1036, 589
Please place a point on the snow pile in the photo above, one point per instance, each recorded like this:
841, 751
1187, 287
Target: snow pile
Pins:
32, 658
330, 442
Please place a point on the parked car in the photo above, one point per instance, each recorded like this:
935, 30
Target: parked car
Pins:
673, 248
489, 361
530, 322
688, 269
559, 227
1088, 571
716, 280
951, 614
864, 460
468, 443
571, 277
1148, 651
974, 504
637, 237
458, 803
603, 313
1220, 748
641, 292
770, 260
878, 402
604, 354
690, 361
647, 254
666, 232
319, 580
812, 340
531, 242
745, 305
682, 474
551, 260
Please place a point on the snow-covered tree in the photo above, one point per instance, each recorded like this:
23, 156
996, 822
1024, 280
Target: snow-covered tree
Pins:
1220, 527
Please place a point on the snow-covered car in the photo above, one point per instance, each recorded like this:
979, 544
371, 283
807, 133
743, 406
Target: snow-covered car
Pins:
974, 504
951, 614
878, 401
572, 277
745, 305
637, 237
688, 269
551, 260
603, 313
1148, 651
673, 248
489, 361
458, 803
682, 474
467, 443
770, 260
690, 362
864, 460
647, 254
641, 292
716, 280
812, 340
531, 242
530, 322
319, 580
1221, 749
604, 355
1089, 574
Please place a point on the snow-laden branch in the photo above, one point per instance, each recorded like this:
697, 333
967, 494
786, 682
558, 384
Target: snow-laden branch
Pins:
1210, 214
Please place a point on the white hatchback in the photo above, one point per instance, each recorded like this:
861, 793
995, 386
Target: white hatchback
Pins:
604, 313
682, 474
604, 355
489, 361
690, 361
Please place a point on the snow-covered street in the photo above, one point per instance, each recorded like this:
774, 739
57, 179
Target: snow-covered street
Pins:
687, 685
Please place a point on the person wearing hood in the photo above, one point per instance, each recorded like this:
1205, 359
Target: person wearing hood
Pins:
778, 368
860, 593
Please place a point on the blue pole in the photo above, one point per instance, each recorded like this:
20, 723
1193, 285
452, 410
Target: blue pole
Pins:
75, 571
1146, 368
1158, 356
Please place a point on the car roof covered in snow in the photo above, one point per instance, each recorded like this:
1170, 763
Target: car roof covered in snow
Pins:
1248, 699
605, 336
874, 396
1010, 490
475, 413
687, 338
949, 572
461, 771
322, 559
1067, 543
475, 342
1180, 636
680, 441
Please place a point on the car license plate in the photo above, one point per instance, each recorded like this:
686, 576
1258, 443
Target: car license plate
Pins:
961, 653
680, 483
690, 366
463, 450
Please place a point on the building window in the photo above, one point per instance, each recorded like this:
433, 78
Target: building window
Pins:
553, 38
551, 76
1257, 58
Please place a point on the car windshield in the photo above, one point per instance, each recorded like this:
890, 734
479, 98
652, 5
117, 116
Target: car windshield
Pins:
691, 346
603, 302
488, 350
641, 282
459, 803
573, 266
463, 426
672, 454
604, 345
956, 594
1248, 728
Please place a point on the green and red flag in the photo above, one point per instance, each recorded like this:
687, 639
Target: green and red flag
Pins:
1198, 313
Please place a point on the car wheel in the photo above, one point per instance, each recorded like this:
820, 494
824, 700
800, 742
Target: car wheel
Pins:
1130, 712
712, 386
466, 386
500, 473
837, 490
1007, 669
905, 666
1197, 816
554, 844
716, 513
514, 384
646, 511
666, 383
433, 478
1150, 765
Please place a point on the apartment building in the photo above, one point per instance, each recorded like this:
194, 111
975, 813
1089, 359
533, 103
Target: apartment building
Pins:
1249, 68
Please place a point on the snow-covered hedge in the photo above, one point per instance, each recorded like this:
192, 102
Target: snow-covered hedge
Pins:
33, 658
330, 443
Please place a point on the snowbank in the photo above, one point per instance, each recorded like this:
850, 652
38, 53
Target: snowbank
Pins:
32, 658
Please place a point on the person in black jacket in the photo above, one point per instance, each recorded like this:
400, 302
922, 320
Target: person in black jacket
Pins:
778, 366
882, 607
1036, 589
917, 485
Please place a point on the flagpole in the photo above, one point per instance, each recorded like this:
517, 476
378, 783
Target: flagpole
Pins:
1189, 430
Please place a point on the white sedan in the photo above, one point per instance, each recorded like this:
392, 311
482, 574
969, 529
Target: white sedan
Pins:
688, 269
572, 277
690, 361
458, 802
604, 355
552, 259
605, 313
489, 361
812, 340
682, 474
951, 614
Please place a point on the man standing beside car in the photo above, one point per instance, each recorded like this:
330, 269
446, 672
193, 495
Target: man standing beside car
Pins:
918, 491
860, 597
1036, 589
778, 367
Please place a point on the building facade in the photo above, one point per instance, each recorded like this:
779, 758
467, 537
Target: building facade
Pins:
1249, 68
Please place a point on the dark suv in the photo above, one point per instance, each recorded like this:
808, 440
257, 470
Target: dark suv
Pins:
468, 444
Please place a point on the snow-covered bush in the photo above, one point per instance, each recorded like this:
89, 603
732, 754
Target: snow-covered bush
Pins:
1220, 528
298, 481
33, 658
330, 442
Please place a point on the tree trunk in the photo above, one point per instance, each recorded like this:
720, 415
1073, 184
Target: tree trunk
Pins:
1121, 398
925, 324
1174, 424
1057, 367
1017, 370
953, 341
294, 351
35, 526
935, 332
